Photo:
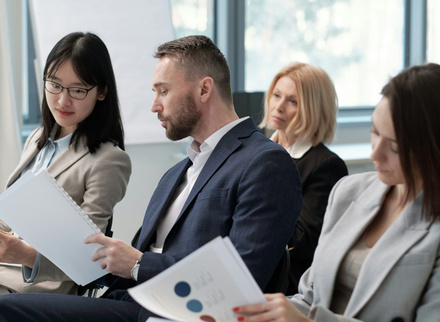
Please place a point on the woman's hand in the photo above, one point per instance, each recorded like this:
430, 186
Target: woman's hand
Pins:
277, 308
14, 251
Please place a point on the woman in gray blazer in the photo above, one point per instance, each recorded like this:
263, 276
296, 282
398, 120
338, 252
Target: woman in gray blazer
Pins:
378, 257
80, 143
301, 105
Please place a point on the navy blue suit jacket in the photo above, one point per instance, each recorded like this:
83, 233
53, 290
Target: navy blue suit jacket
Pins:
249, 190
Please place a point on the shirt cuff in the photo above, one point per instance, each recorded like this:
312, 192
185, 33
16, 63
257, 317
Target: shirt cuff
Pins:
29, 274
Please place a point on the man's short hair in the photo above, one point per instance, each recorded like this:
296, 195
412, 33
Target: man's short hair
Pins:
199, 57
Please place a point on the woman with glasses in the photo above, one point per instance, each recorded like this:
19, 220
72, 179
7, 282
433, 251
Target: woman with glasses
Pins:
81, 144
378, 257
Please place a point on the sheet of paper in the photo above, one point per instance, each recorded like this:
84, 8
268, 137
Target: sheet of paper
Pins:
45, 216
204, 286
8, 264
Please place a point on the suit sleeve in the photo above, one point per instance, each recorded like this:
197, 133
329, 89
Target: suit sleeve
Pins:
316, 190
304, 299
302, 302
429, 308
268, 205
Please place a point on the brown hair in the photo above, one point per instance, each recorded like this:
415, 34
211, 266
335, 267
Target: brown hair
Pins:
414, 96
200, 57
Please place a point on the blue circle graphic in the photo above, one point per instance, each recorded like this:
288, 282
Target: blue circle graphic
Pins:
194, 306
182, 289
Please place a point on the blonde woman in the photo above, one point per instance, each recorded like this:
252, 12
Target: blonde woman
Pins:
301, 105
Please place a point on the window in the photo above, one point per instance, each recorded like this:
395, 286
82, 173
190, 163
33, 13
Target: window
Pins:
359, 43
192, 17
433, 45
31, 106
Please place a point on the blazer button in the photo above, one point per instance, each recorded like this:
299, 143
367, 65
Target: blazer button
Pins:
398, 319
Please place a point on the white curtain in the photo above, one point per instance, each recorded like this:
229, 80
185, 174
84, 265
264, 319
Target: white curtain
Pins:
10, 84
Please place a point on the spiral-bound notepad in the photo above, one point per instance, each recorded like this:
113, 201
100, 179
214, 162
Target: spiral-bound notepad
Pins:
38, 209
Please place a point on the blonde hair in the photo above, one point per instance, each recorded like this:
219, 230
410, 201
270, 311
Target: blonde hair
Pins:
317, 104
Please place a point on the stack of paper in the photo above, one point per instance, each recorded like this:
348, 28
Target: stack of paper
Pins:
204, 286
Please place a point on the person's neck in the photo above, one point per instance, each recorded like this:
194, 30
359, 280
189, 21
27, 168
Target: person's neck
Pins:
64, 132
212, 123
283, 140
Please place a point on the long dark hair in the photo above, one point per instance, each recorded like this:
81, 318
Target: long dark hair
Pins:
91, 62
414, 96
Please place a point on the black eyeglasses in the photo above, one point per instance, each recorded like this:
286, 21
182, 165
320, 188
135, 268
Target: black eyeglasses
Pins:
74, 92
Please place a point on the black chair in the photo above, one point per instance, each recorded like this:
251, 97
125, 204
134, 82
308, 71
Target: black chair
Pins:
280, 278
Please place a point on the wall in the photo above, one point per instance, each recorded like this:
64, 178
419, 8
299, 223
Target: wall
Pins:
149, 163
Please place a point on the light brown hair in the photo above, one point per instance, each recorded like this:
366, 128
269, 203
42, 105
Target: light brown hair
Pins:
317, 104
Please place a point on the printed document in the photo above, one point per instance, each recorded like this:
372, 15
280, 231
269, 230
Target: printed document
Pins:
204, 286
38, 209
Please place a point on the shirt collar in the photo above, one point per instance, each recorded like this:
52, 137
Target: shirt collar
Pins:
64, 142
297, 149
211, 142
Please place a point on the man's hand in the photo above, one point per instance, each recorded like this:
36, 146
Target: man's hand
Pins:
14, 251
117, 257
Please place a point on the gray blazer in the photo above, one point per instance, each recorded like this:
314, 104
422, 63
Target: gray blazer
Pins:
400, 277
95, 181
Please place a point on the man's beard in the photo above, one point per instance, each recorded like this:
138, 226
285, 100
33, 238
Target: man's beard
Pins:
185, 120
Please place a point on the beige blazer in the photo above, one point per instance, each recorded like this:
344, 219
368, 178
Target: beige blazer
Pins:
400, 277
95, 181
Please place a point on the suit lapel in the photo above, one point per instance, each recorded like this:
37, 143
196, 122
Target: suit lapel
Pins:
165, 191
343, 236
214, 162
67, 159
225, 147
58, 166
407, 230
160, 202
27, 156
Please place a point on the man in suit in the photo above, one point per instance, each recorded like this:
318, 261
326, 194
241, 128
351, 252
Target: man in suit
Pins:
234, 183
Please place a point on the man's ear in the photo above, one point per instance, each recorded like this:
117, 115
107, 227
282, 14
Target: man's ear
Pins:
206, 88
103, 94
